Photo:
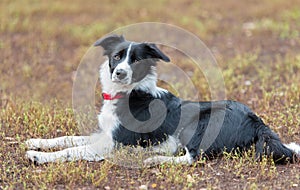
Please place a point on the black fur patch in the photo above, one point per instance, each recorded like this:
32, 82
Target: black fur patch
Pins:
139, 102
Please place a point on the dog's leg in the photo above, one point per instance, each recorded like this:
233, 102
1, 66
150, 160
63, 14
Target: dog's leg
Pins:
60, 142
69, 154
169, 146
92, 152
269, 144
186, 159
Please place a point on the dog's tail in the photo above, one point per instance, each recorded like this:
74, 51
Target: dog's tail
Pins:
294, 147
268, 143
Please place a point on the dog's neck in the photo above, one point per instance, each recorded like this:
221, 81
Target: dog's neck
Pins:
148, 84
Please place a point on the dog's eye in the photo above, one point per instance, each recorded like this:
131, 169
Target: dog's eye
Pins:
117, 57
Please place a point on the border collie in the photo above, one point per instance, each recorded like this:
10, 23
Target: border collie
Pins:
137, 113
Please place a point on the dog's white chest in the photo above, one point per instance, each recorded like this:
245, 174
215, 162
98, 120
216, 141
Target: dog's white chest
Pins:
107, 119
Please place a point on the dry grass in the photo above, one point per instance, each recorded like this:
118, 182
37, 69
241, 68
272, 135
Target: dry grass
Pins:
255, 42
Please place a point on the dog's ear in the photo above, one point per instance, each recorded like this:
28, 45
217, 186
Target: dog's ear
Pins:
108, 43
154, 52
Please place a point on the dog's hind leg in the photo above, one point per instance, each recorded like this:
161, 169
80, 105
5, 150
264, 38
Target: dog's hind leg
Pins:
270, 145
59, 142
185, 159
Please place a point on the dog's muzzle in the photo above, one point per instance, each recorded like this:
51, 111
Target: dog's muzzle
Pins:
121, 74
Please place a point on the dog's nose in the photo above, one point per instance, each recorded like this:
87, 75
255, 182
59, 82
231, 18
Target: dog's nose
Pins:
121, 73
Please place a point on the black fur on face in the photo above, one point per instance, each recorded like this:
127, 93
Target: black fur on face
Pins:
115, 48
140, 57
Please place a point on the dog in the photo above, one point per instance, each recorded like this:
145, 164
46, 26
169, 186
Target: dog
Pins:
137, 113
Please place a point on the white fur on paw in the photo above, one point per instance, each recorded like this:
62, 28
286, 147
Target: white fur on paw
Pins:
154, 160
148, 162
33, 144
35, 157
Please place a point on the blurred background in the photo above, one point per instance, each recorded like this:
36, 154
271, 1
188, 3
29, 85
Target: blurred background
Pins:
42, 42
256, 44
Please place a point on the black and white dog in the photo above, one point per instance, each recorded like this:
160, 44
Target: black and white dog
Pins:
136, 112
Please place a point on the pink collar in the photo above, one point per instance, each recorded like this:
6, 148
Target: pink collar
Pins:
110, 97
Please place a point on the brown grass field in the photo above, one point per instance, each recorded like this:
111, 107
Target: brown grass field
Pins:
256, 44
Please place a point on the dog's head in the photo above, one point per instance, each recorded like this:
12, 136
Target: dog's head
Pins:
129, 62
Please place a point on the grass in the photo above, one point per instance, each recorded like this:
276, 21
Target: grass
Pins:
41, 43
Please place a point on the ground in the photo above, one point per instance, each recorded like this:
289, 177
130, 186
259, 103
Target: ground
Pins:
256, 44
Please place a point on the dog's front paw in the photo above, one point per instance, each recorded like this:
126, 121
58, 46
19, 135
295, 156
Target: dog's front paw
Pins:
36, 157
33, 144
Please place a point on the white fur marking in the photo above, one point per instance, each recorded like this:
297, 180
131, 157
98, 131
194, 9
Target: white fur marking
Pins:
112, 87
169, 146
294, 147
108, 119
123, 66
186, 159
